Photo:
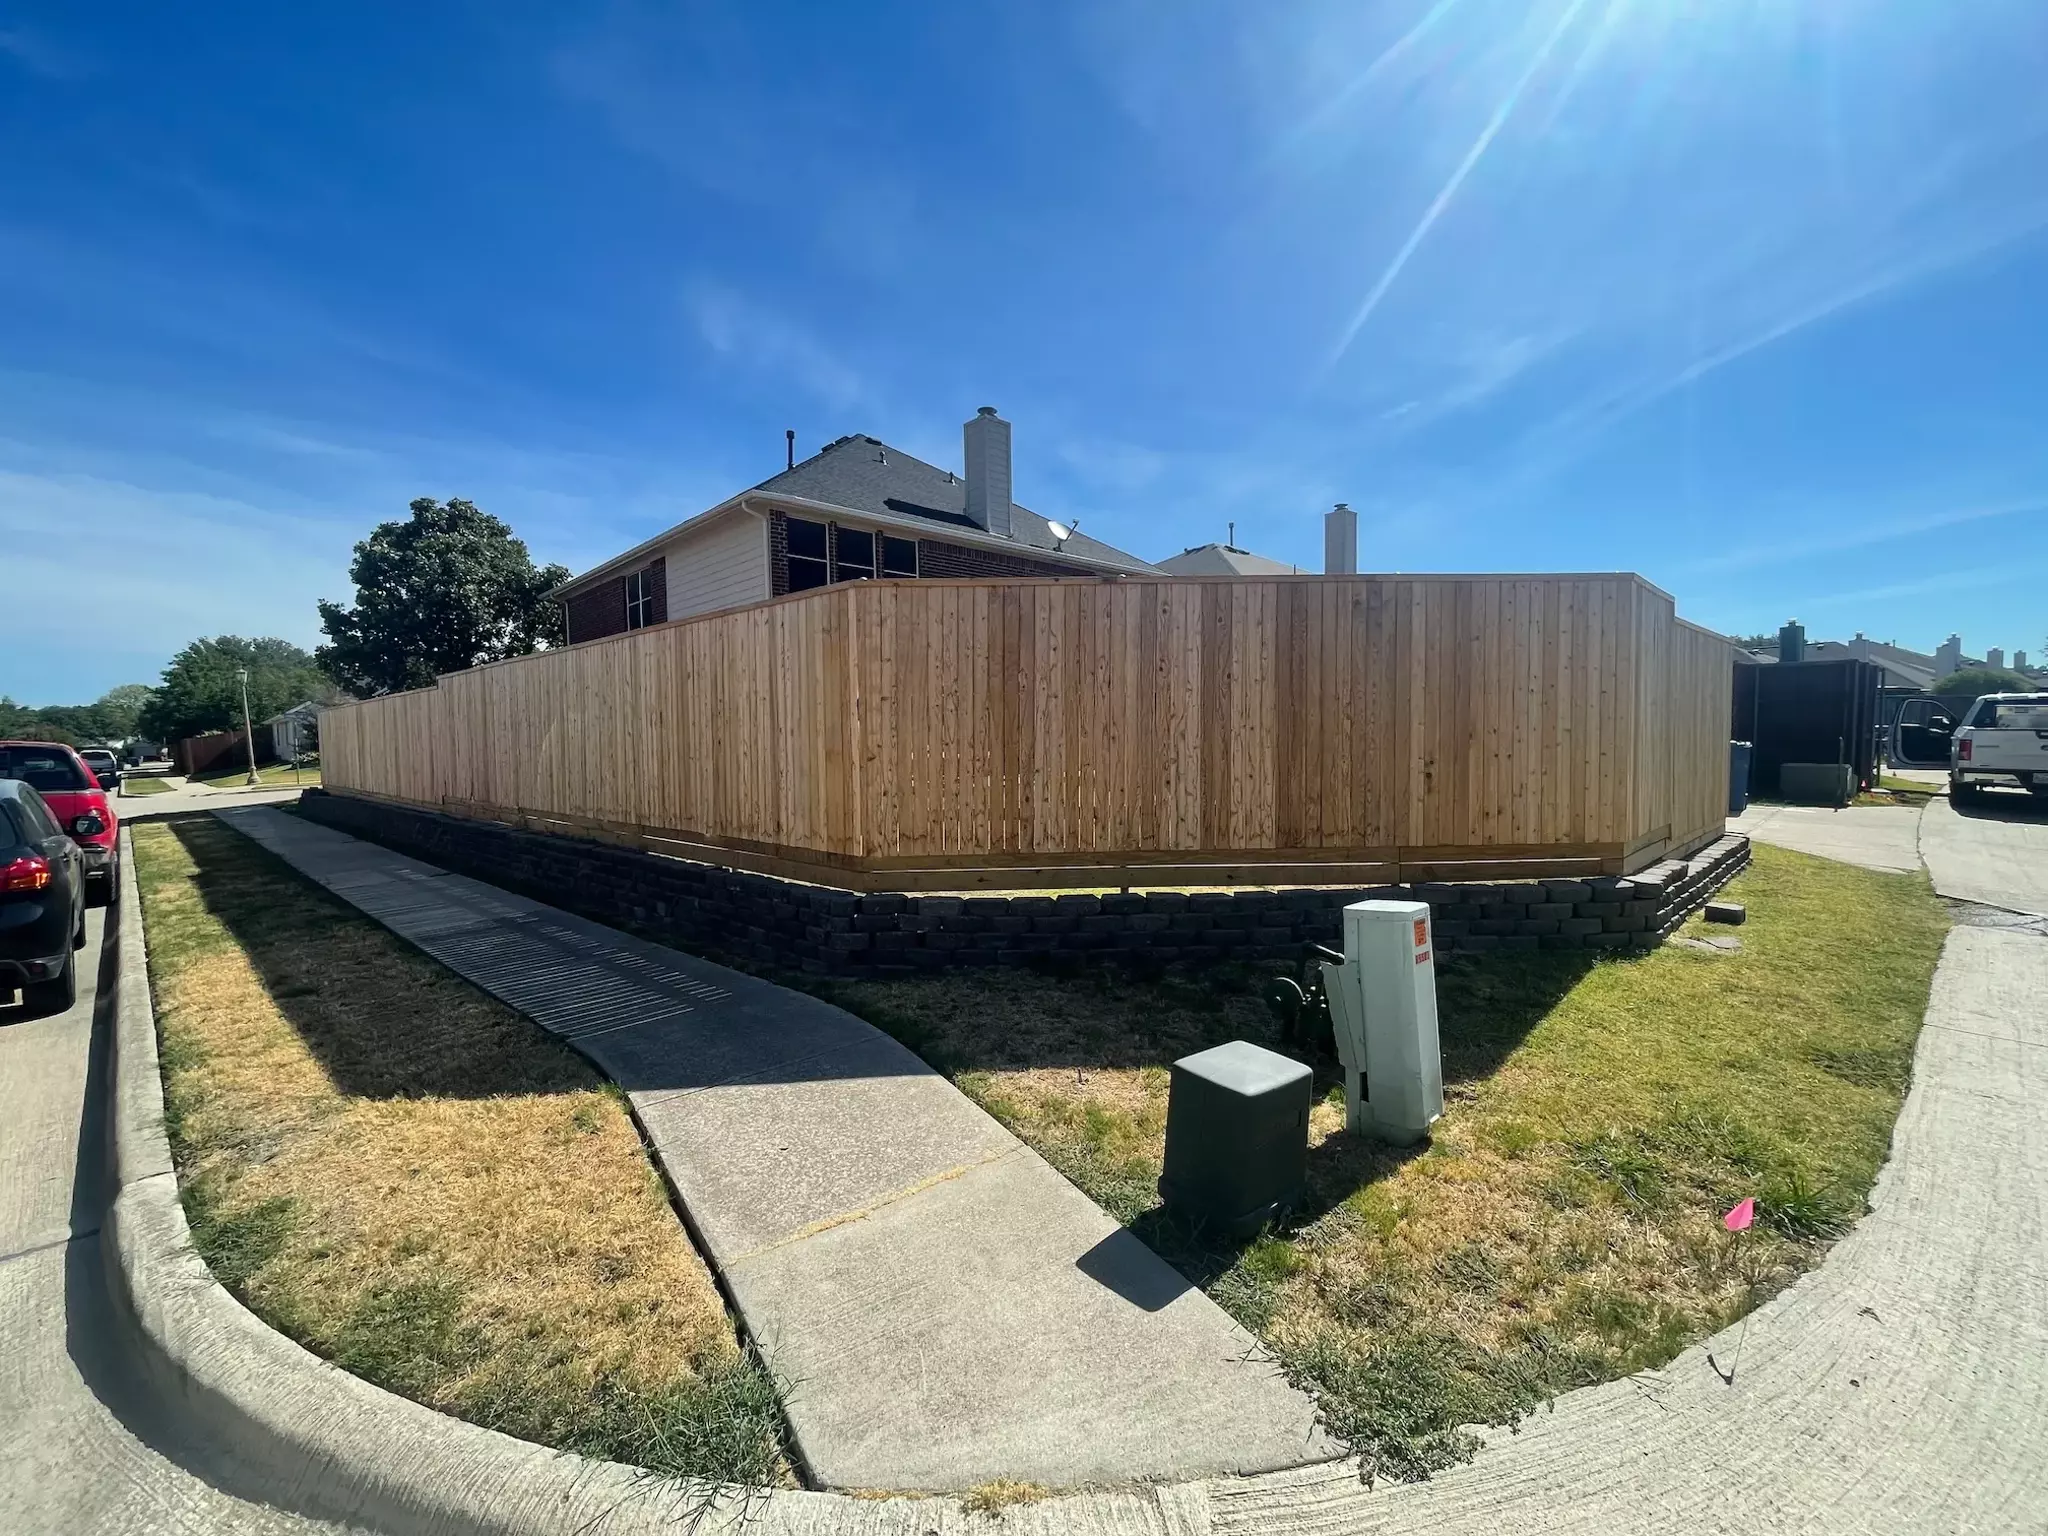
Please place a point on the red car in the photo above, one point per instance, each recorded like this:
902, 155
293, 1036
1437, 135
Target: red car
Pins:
79, 804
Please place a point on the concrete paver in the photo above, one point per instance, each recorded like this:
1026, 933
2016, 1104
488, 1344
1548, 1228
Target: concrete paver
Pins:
1882, 837
85, 1445
947, 1308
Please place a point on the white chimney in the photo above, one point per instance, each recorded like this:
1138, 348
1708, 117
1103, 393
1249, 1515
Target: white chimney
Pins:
988, 470
1340, 541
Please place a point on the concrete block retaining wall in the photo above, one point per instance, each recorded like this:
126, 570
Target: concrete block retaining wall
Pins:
783, 922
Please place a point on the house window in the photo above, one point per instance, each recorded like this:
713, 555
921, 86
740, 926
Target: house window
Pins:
899, 556
855, 548
807, 566
639, 600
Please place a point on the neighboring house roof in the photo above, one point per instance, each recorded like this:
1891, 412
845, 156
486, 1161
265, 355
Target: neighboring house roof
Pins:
1226, 560
1903, 668
309, 710
865, 476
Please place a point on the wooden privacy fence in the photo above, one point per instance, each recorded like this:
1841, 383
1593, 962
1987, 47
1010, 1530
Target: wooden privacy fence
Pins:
923, 735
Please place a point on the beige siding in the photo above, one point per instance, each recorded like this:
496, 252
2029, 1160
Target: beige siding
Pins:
724, 566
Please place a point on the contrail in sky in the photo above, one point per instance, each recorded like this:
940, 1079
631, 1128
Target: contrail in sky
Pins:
1477, 152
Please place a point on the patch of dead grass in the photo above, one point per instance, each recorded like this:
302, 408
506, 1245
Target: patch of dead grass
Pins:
1562, 1225
417, 1182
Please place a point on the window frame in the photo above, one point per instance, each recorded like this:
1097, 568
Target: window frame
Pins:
844, 569
639, 599
882, 566
818, 566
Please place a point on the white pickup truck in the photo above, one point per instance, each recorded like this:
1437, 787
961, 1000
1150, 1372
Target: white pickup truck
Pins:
2003, 738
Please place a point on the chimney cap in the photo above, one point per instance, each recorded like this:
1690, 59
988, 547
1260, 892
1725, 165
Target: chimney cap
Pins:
986, 410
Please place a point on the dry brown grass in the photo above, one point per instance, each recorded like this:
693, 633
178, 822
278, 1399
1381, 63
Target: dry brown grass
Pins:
1562, 1226
422, 1185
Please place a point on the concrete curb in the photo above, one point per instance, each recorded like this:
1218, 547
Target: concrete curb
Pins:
309, 1437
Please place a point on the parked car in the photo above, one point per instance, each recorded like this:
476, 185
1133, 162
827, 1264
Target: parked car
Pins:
42, 901
103, 765
2003, 739
59, 775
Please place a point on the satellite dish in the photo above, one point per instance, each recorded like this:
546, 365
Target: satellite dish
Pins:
1060, 531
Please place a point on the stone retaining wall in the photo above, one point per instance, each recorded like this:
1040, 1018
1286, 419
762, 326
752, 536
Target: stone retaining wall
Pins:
783, 922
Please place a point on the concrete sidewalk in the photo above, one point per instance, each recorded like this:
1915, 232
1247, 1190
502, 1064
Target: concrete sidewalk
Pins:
1884, 837
946, 1307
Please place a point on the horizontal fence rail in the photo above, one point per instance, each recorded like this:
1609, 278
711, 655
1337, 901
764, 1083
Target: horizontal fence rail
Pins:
953, 735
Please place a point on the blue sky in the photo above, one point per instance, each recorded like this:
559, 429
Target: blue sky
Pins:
1750, 296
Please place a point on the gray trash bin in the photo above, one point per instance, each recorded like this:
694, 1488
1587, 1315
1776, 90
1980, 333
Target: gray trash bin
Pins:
1739, 754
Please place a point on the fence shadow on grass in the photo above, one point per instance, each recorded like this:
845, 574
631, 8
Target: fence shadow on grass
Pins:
383, 1020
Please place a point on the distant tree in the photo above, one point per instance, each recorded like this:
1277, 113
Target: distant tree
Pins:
1976, 680
1757, 642
119, 709
19, 722
112, 718
199, 692
448, 588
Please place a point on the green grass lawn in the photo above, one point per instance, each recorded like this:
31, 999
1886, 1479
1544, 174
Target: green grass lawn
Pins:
272, 775
144, 786
423, 1186
1562, 1225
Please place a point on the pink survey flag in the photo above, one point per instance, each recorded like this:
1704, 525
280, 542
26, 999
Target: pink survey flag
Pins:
1738, 1220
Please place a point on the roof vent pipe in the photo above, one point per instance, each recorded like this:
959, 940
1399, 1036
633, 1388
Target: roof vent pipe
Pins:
789, 437
987, 442
1340, 541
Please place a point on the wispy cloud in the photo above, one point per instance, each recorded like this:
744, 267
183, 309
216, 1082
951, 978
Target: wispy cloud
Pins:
40, 56
1973, 580
760, 340
1844, 530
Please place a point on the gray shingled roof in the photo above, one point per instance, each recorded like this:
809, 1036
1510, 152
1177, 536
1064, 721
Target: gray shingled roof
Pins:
864, 474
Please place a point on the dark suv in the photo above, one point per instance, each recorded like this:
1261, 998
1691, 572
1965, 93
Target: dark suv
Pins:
42, 902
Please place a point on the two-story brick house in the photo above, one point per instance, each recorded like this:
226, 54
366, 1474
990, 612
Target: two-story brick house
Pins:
857, 509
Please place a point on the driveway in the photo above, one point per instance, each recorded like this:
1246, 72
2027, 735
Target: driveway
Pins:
1993, 850
84, 1446
1876, 837
185, 797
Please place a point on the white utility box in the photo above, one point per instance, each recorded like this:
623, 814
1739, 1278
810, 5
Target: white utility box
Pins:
1383, 1010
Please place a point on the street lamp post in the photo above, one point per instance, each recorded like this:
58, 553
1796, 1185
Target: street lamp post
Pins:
248, 734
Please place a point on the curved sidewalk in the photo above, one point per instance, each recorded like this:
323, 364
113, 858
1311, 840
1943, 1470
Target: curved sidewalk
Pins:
947, 1309
1900, 1388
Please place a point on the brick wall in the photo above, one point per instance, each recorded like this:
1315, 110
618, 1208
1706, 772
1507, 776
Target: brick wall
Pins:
601, 610
778, 554
773, 922
935, 557
597, 611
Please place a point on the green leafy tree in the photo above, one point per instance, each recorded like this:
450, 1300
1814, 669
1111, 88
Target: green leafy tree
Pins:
120, 708
1976, 680
200, 692
19, 722
111, 718
448, 588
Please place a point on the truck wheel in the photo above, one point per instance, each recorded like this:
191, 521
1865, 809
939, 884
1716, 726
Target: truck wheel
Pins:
1960, 793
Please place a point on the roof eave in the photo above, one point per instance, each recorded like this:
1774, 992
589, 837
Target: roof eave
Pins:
953, 533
